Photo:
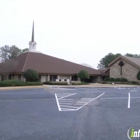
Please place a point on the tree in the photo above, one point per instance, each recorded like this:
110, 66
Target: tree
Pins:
7, 67
83, 75
24, 50
107, 59
9, 52
30, 75
138, 75
133, 55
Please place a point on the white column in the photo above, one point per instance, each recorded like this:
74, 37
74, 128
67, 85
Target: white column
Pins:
48, 78
43, 78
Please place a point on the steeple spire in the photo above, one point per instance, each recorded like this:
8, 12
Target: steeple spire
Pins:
32, 43
33, 32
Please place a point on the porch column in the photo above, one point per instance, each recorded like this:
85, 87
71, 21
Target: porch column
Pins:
48, 78
43, 78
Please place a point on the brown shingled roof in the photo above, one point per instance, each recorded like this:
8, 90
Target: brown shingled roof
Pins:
45, 64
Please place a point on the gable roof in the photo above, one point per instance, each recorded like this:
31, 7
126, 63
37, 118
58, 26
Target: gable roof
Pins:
133, 61
45, 64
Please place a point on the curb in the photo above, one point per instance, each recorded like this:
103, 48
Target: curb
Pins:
20, 87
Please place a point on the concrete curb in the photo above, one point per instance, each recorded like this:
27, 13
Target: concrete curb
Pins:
20, 87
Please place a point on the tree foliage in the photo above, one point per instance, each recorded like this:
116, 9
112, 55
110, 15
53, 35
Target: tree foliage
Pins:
9, 52
107, 59
31, 75
133, 55
83, 75
7, 67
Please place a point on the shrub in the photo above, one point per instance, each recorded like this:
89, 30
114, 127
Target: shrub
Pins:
31, 75
133, 82
123, 80
111, 79
106, 79
138, 75
33, 83
117, 79
83, 75
55, 83
82, 83
6, 83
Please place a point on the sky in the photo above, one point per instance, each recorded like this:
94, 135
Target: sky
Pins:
81, 31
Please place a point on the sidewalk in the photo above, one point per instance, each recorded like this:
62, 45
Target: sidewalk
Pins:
69, 86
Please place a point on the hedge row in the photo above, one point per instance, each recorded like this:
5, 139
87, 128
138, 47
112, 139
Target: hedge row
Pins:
6, 83
118, 81
64, 83
82, 83
55, 83
115, 79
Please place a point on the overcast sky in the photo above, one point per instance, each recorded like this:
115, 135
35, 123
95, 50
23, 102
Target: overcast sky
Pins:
81, 31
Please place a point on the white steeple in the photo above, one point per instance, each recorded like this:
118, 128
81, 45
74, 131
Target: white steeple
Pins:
32, 43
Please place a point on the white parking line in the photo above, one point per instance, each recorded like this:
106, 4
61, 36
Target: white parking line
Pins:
91, 100
57, 102
129, 100
67, 96
68, 106
66, 89
73, 104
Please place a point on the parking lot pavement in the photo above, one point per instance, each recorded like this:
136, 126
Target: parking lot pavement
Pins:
69, 113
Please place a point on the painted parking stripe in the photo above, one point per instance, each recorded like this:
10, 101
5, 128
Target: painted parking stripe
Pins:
67, 95
57, 102
73, 104
129, 100
91, 100
68, 106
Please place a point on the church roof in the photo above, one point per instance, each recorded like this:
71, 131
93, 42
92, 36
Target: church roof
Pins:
45, 64
132, 60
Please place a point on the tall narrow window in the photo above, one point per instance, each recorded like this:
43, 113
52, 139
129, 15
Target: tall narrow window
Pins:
121, 65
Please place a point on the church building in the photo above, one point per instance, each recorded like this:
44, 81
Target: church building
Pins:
50, 68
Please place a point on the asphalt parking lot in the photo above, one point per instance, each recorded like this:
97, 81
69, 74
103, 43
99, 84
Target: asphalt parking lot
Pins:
69, 113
